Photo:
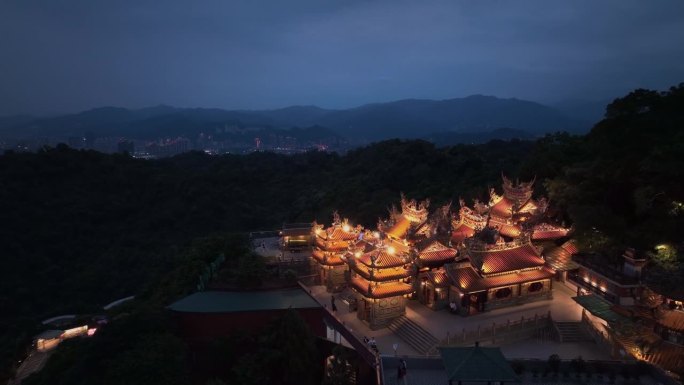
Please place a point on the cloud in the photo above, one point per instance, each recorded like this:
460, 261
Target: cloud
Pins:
72, 55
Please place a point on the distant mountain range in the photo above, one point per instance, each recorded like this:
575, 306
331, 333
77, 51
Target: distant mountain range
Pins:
411, 118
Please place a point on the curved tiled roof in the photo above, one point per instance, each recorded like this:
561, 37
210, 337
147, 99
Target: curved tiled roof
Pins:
559, 259
462, 232
399, 229
331, 245
498, 261
383, 259
326, 258
388, 274
502, 208
672, 319
438, 277
508, 230
570, 246
468, 280
668, 356
437, 253
389, 289
546, 232
338, 233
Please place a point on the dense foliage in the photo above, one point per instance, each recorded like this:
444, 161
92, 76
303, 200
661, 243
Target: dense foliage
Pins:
626, 187
81, 229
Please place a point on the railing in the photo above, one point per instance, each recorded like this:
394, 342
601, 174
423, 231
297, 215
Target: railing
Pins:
355, 341
511, 330
601, 338
608, 272
577, 280
309, 280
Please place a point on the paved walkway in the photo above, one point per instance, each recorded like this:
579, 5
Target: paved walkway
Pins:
562, 308
383, 337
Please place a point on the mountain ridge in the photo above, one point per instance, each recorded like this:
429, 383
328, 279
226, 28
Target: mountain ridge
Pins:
404, 118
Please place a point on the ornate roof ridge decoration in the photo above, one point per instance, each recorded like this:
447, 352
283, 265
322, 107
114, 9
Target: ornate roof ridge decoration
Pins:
336, 218
476, 245
415, 211
545, 226
434, 245
518, 192
384, 256
470, 218
494, 198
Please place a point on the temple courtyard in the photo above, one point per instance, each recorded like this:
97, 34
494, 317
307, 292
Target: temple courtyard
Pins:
562, 308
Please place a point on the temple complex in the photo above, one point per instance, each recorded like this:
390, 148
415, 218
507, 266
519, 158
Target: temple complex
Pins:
486, 256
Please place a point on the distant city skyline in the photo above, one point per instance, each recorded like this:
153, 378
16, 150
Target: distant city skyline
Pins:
75, 55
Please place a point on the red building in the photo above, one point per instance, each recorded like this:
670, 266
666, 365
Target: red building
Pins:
208, 315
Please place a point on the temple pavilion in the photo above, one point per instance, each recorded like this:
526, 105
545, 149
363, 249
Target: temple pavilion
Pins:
496, 273
381, 279
433, 250
330, 244
409, 222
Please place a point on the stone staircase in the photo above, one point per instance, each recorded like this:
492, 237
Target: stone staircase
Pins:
415, 336
570, 331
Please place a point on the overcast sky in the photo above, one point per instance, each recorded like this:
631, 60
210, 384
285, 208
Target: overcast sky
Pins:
66, 56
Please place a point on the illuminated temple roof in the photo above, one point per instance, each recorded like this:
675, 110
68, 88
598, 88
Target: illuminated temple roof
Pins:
400, 228
571, 247
438, 277
436, 254
673, 320
332, 244
559, 259
544, 231
384, 290
388, 274
520, 257
461, 232
508, 229
468, 280
327, 258
383, 258
502, 208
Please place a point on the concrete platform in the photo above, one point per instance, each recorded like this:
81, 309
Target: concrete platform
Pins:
383, 337
562, 308
269, 248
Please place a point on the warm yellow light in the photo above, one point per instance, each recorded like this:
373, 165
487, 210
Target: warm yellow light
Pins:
357, 254
376, 234
391, 250
346, 228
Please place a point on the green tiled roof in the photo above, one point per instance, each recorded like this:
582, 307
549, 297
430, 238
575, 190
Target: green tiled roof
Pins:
600, 308
476, 364
229, 301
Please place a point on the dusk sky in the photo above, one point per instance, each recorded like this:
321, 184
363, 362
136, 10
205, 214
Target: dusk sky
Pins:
71, 55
